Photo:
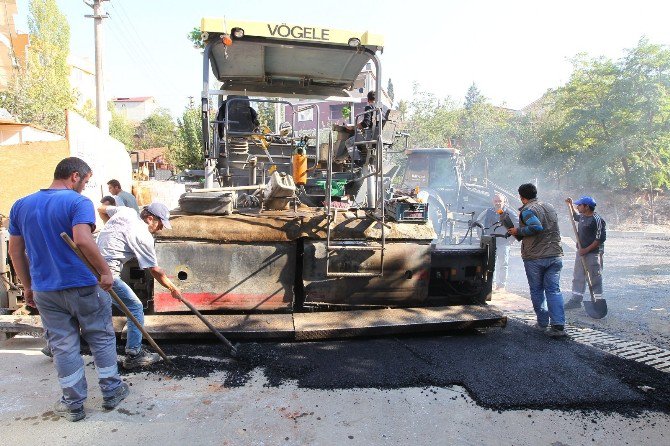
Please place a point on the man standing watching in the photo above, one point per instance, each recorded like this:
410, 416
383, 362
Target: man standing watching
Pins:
122, 197
125, 236
541, 252
490, 219
66, 293
592, 234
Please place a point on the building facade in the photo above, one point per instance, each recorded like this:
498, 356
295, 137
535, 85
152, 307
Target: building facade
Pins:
135, 109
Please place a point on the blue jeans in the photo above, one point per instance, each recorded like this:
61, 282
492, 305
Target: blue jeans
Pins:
128, 297
544, 276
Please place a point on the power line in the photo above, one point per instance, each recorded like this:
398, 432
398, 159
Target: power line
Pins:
140, 46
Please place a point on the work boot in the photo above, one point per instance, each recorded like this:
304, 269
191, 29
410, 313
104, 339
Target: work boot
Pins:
556, 331
539, 327
46, 351
140, 359
121, 392
574, 303
69, 414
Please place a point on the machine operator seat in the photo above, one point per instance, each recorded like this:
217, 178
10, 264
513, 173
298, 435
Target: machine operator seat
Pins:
241, 116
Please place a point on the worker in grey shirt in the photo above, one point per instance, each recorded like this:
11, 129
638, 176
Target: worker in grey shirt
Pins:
592, 235
490, 220
122, 197
127, 236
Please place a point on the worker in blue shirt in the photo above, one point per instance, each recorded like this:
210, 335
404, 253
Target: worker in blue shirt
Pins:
70, 299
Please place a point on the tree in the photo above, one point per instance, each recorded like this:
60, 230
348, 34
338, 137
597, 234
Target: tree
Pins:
88, 111
473, 98
487, 131
157, 130
610, 124
189, 152
40, 91
266, 114
195, 37
431, 122
121, 129
389, 90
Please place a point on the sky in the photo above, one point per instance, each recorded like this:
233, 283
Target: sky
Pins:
513, 50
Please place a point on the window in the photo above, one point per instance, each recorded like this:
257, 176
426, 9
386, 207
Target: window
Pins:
306, 115
335, 112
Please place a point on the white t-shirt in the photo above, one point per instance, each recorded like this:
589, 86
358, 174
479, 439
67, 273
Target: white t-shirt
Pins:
124, 237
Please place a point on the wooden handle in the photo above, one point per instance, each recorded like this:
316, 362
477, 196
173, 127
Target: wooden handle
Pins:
118, 300
579, 246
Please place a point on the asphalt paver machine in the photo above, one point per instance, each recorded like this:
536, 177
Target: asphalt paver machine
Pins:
283, 242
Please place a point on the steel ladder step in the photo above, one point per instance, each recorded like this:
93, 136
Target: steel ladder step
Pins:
354, 248
338, 274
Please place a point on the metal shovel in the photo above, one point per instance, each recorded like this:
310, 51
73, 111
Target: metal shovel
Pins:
595, 308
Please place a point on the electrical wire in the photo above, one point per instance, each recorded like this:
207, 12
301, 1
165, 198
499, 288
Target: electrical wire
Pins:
140, 46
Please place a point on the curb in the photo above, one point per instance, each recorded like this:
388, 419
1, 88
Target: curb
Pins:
639, 234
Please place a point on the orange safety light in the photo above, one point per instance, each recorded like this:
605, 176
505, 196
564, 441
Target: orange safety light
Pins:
226, 40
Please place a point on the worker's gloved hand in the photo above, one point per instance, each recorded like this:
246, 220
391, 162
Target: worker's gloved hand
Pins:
106, 281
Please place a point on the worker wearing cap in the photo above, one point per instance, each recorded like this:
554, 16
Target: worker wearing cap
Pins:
592, 234
128, 236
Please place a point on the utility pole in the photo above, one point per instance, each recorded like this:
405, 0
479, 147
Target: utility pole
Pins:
100, 103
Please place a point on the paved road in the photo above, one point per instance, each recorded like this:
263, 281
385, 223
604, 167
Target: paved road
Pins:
504, 386
636, 285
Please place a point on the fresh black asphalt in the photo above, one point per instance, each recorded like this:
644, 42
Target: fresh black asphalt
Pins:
504, 369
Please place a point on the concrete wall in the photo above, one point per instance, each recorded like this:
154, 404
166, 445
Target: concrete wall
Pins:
12, 134
30, 166
27, 168
107, 157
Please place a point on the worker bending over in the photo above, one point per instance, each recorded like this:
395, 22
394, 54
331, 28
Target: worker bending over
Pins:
128, 236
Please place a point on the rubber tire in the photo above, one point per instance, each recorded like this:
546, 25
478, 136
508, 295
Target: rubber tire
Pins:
206, 203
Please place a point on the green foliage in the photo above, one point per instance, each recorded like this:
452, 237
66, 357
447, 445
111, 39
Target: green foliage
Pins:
88, 112
389, 90
195, 37
121, 129
607, 127
157, 130
188, 153
346, 112
610, 124
266, 114
40, 92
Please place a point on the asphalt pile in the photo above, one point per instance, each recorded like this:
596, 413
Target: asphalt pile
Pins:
504, 369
